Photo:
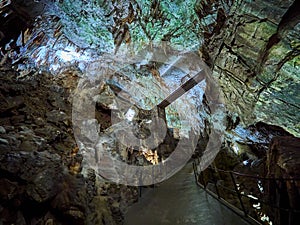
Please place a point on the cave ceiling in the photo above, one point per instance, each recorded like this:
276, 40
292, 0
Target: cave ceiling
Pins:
252, 47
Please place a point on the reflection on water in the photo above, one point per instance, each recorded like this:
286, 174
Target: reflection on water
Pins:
180, 201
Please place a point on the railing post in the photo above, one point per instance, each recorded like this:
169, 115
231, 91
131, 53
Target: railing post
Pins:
238, 193
202, 178
217, 190
212, 172
195, 172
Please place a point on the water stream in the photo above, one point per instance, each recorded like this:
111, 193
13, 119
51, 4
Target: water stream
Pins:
180, 201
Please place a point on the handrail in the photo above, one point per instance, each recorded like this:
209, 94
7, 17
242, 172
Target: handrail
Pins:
236, 210
252, 176
4, 3
203, 184
259, 200
238, 194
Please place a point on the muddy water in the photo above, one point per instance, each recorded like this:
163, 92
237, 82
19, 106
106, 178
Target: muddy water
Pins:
179, 201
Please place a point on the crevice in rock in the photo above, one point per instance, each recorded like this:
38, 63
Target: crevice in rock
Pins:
288, 21
289, 56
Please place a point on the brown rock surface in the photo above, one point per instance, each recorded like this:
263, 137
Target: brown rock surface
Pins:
253, 50
284, 192
40, 180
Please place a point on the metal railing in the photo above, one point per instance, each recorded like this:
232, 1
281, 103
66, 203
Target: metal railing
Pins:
212, 184
4, 3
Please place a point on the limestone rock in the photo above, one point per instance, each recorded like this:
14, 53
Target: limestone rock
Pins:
251, 47
284, 163
284, 152
36, 168
56, 116
2, 130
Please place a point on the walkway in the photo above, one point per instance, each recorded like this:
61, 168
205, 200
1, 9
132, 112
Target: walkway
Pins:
180, 201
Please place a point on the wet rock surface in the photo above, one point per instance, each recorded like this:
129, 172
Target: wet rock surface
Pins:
254, 161
284, 165
251, 47
40, 180
254, 52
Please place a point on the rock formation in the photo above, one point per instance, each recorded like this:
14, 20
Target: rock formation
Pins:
253, 49
39, 162
284, 166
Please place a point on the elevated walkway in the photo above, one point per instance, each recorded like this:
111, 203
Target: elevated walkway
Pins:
178, 201
230, 189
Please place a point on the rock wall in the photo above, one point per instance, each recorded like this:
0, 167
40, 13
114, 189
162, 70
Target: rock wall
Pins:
284, 192
40, 180
253, 49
